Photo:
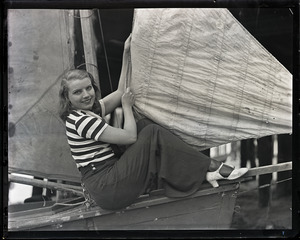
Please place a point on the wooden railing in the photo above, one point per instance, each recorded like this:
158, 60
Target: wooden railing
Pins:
78, 189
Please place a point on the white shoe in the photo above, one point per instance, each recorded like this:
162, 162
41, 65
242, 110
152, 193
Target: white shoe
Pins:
212, 177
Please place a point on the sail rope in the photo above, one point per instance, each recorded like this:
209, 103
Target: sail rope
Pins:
106, 61
61, 41
70, 204
80, 65
265, 186
104, 50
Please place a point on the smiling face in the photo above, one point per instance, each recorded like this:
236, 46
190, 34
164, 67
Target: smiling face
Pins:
81, 93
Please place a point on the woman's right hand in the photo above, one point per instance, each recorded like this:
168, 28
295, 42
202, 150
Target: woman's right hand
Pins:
128, 98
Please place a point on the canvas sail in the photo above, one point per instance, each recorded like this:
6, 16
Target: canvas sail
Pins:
203, 76
38, 52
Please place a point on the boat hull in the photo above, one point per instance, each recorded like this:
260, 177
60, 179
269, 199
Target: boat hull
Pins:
207, 209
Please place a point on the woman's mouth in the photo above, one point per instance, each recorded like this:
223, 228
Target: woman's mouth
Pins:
87, 101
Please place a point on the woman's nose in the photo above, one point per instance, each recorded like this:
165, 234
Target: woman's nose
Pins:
85, 93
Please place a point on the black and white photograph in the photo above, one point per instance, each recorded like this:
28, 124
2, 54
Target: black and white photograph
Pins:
150, 119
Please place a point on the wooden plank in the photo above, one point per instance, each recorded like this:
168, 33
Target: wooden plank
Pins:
89, 43
42, 209
280, 167
46, 184
33, 213
17, 210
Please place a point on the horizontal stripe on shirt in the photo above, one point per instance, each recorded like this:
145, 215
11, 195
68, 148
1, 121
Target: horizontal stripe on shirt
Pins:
83, 131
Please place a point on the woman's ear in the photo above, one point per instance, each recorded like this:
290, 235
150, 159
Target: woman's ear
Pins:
66, 93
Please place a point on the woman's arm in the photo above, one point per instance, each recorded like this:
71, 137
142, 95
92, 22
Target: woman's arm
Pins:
128, 134
113, 100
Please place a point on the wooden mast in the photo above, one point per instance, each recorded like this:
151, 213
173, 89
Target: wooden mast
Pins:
89, 43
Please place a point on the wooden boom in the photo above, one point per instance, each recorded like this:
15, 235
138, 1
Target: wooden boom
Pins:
78, 189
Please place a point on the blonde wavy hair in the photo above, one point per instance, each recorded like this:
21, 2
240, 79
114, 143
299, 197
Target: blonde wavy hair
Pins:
64, 102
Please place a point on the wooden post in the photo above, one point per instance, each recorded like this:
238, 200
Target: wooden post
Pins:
265, 156
206, 152
69, 25
248, 152
89, 44
284, 155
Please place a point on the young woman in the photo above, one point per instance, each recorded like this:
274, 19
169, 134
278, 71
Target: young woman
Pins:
154, 157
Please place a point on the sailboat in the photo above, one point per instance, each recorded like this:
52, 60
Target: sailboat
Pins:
197, 72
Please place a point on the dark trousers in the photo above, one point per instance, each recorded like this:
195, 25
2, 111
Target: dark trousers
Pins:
157, 159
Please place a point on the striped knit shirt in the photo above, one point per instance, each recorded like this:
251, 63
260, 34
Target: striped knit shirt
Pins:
83, 129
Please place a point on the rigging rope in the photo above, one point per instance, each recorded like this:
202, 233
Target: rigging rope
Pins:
87, 64
104, 49
107, 63
61, 44
70, 204
265, 186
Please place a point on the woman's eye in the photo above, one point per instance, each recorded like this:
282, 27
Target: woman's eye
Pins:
89, 88
76, 92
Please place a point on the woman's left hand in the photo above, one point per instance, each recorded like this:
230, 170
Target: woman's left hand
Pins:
128, 98
127, 44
